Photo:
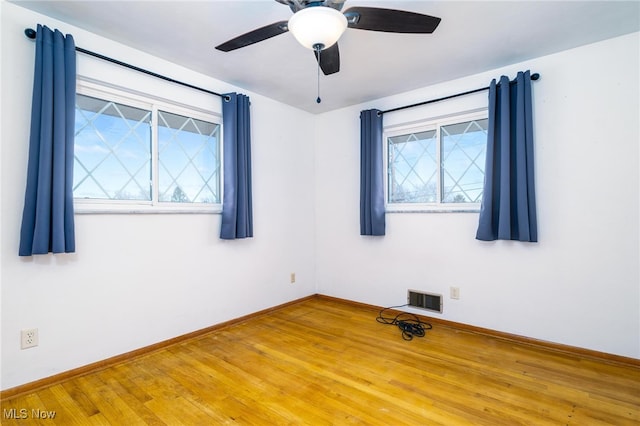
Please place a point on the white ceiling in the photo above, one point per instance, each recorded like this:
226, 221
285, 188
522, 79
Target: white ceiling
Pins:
474, 36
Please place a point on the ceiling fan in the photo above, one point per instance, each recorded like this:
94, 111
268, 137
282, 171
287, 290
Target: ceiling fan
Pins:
318, 25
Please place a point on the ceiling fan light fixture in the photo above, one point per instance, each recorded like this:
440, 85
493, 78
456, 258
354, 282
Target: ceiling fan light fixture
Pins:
317, 26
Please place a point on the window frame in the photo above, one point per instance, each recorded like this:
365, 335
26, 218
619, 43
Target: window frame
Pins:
133, 98
428, 124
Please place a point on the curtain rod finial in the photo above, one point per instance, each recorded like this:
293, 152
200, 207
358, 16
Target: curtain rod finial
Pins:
30, 33
535, 76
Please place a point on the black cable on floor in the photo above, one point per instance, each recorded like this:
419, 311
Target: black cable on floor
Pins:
410, 325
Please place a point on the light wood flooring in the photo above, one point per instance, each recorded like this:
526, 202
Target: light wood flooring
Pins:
324, 362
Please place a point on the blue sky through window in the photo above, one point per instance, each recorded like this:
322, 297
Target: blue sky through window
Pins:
113, 154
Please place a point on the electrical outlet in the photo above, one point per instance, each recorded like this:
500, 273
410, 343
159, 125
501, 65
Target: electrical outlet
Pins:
454, 292
28, 338
292, 278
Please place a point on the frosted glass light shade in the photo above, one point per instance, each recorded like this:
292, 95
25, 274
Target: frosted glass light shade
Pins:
317, 25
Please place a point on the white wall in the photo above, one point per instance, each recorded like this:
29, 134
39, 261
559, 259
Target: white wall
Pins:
140, 279
580, 284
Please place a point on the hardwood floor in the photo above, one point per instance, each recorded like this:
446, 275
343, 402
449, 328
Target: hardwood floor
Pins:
324, 362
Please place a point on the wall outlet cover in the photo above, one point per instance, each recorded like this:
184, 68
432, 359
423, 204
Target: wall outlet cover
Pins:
28, 338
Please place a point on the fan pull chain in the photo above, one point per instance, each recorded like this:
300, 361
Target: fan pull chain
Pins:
318, 100
318, 48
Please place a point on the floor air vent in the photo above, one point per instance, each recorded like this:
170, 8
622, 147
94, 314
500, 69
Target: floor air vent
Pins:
428, 301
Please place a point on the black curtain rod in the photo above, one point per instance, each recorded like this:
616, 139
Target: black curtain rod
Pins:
31, 33
534, 77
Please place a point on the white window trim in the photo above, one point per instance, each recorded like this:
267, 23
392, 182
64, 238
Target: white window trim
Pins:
433, 123
95, 88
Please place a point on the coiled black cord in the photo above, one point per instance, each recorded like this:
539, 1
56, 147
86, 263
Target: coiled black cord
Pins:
410, 325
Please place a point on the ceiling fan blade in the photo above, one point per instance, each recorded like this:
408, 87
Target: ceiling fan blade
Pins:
390, 20
329, 59
254, 36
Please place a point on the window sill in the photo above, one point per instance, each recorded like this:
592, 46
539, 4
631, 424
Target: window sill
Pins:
432, 209
128, 208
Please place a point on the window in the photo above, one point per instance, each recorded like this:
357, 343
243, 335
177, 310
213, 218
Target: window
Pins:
437, 165
112, 151
137, 154
189, 166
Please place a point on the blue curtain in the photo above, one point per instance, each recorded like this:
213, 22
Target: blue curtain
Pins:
372, 220
237, 212
47, 219
508, 203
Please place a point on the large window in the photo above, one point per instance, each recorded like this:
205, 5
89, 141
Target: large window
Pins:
137, 154
437, 165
